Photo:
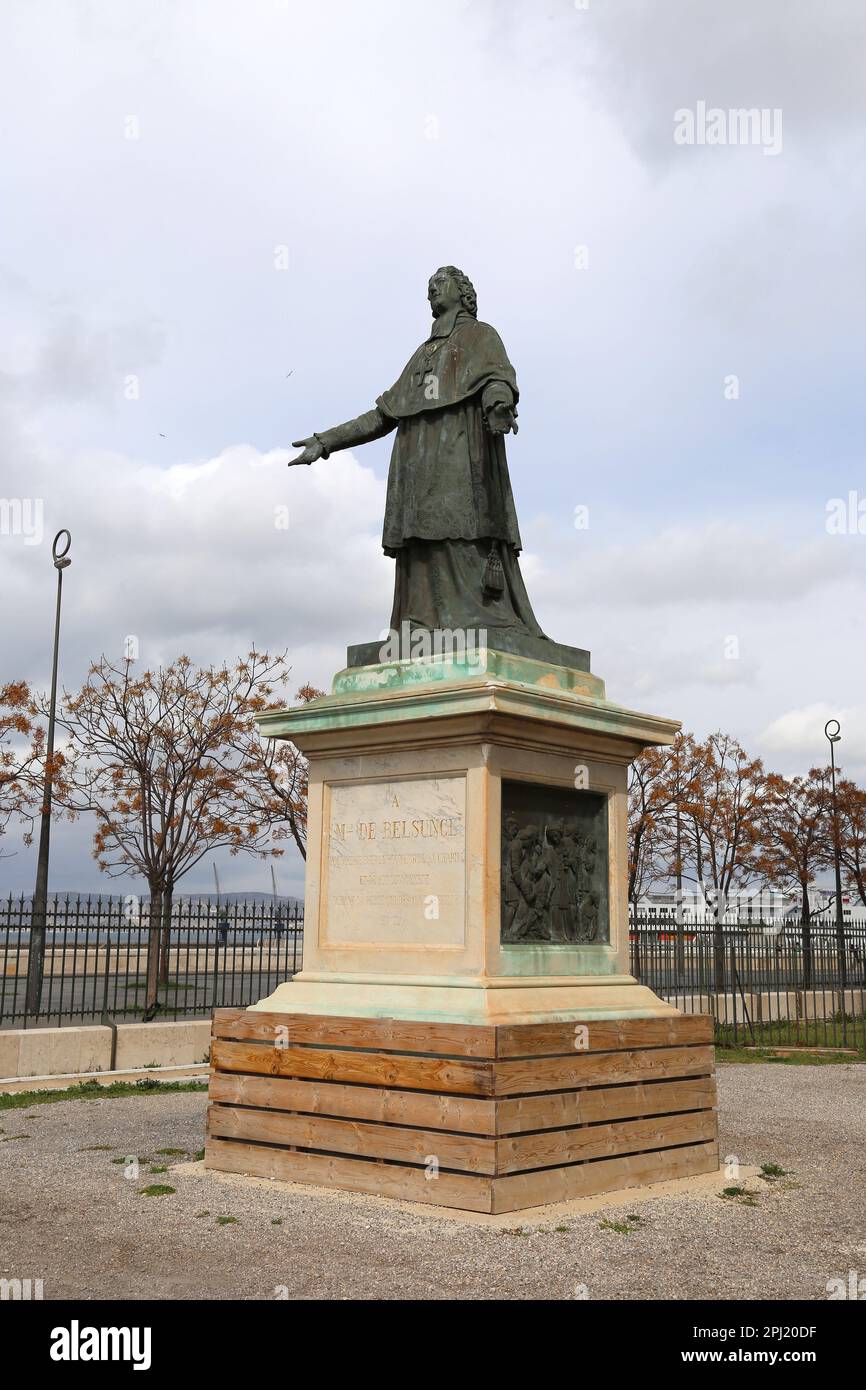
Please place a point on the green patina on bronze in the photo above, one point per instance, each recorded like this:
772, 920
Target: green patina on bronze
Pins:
554, 865
404, 692
450, 520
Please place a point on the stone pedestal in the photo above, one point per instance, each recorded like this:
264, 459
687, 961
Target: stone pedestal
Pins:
415, 768
466, 889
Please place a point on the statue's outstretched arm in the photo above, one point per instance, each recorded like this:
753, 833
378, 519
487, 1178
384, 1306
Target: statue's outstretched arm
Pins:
373, 424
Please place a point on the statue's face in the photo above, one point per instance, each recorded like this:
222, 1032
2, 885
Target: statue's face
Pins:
442, 292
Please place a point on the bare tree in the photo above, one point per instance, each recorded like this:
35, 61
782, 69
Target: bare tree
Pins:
648, 806
275, 780
158, 763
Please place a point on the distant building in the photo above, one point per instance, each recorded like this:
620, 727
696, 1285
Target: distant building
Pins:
749, 904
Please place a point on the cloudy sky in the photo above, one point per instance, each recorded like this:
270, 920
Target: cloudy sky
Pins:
218, 221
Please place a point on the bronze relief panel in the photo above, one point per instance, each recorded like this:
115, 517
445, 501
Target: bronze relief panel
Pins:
554, 872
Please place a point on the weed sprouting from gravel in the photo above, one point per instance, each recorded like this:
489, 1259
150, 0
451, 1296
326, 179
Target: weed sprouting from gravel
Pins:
227, 1221
623, 1228
156, 1189
742, 1195
770, 1171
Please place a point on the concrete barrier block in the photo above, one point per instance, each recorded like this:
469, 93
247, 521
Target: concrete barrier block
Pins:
773, 1005
855, 1002
691, 1003
166, 1044
733, 1008
10, 1044
817, 1004
63, 1051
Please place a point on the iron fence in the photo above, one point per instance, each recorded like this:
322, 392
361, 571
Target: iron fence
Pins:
783, 983
97, 952
789, 983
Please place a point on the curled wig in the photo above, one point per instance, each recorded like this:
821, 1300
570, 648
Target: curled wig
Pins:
467, 289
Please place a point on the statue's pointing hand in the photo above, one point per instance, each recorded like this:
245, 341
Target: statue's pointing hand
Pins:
313, 449
500, 418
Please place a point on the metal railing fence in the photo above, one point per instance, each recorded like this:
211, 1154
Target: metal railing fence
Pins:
97, 952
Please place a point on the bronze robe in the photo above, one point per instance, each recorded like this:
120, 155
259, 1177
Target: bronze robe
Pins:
449, 496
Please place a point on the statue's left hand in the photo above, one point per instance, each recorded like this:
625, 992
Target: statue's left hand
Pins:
500, 419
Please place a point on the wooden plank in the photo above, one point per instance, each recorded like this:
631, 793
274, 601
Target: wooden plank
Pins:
559, 1146
594, 1069
469, 1191
521, 1190
381, 1034
361, 1068
466, 1153
562, 1109
602, 1035
463, 1114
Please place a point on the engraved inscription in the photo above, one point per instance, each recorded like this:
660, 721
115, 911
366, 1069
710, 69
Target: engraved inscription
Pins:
396, 863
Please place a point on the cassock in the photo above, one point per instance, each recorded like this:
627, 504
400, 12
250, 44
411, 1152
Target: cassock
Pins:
449, 510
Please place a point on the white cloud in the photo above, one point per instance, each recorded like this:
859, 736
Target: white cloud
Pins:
798, 737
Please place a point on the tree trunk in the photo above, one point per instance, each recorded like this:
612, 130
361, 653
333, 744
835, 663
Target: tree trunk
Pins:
807, 938
151, 995
165, 935
296, 835
719, 942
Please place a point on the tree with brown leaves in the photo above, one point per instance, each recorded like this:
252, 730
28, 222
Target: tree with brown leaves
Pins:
797, 837
662, 785
22, 761
851, 802
796, 832
162, 765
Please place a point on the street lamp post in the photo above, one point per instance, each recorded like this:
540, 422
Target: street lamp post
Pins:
39, 906
833, 735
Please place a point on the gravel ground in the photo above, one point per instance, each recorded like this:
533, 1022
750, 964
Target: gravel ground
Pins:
69, 1216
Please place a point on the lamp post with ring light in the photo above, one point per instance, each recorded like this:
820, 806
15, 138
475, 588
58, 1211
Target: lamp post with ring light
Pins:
39, 905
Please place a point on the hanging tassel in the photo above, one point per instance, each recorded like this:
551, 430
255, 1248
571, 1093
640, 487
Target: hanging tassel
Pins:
493, 580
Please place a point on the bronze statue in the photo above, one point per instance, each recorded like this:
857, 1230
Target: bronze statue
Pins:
450, 520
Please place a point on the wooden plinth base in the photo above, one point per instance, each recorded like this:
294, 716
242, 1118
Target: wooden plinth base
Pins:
488, 1118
